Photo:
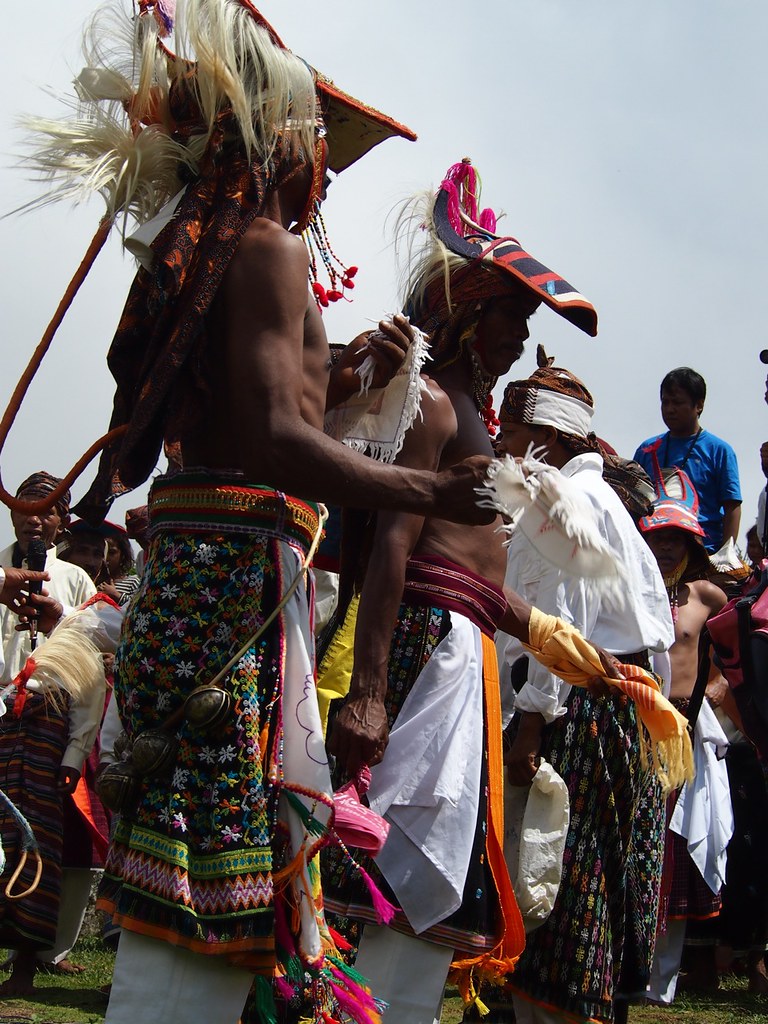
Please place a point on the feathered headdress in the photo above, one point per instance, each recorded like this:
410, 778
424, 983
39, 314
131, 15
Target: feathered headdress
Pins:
463, 263
149, 124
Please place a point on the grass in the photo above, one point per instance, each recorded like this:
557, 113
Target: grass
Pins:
731, 1004
66, 1000
77, 1000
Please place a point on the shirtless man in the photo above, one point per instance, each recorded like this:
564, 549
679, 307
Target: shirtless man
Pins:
675, 537
423, 696
221, 356
693, 601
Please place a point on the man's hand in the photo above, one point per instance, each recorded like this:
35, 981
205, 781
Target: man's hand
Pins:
43, 607
522, 759
388, 346
717, 691
68, 779
456, 492
16, 584
597, 686
360, 734
764, 458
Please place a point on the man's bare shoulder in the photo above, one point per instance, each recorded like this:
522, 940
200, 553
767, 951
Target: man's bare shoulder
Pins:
710, 595
269, 269
437, 411
267, 240
432, 429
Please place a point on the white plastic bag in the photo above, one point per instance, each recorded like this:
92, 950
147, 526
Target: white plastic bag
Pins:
536, 821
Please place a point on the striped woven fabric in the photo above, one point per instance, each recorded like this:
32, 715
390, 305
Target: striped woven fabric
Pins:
31, 749
432, 580
194, 500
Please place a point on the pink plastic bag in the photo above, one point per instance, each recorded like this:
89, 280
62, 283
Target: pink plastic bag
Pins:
355, 824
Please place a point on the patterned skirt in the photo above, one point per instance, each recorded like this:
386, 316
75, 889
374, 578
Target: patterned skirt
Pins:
31, 749
598, 942
193, 863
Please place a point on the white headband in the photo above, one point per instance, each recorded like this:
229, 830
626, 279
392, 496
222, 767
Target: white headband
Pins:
553, 409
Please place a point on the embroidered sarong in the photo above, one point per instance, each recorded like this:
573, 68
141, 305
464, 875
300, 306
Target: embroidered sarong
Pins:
31, 749
424, 630
598, 942
196, 863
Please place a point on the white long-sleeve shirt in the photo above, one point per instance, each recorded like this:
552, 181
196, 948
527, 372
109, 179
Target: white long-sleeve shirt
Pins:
644, 622
70, 586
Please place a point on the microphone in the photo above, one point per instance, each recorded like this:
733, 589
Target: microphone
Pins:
764, 355
36, 559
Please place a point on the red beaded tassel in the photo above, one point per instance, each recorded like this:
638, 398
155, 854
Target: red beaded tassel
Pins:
341, 276
489, 417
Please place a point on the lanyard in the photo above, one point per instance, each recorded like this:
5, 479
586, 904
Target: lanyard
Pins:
688, 454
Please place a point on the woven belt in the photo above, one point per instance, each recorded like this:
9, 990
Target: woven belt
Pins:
197, 502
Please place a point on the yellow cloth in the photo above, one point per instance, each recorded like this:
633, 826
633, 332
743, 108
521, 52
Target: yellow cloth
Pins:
334, 673
564, 651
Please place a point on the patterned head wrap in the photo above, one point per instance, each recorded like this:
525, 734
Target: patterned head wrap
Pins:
40, 485
551, 397
631, 482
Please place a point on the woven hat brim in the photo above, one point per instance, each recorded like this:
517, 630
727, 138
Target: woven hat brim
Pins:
671, 514
353, 127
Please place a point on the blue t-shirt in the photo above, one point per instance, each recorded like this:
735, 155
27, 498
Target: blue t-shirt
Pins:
712, 468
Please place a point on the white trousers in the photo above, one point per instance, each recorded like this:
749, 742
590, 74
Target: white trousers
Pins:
666, 963
75, 892
155, 982
407, 972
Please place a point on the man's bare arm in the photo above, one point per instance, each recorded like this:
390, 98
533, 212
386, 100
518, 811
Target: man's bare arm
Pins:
360, 731
516, 616
711, 596
265, 298
731, 519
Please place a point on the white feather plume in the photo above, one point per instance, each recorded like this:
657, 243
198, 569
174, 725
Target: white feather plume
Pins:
555, 517
134, 173
67, 661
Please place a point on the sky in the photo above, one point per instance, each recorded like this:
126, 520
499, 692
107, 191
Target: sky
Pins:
625, 143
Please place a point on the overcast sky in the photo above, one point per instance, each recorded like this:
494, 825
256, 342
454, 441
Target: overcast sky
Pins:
625, 142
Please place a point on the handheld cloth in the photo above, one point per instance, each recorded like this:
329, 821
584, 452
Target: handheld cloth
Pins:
536, 821
376, 421
564, 651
